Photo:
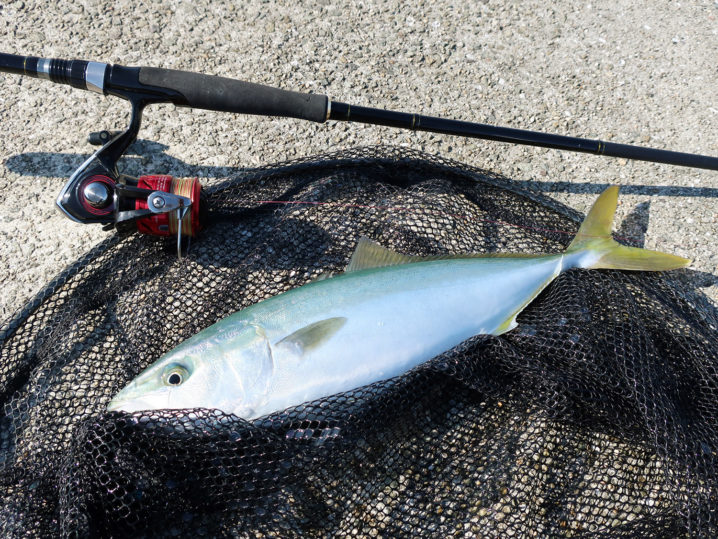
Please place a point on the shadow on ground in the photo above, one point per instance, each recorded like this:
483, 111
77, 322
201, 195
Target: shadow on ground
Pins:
149, 157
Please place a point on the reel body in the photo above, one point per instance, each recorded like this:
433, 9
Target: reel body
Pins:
158, 205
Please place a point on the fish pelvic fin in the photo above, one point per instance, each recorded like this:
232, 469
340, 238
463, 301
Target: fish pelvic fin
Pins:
602, 251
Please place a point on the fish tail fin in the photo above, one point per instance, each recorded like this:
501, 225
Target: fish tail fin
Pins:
600, 250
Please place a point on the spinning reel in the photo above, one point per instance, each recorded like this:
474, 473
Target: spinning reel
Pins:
158, 205
164, 206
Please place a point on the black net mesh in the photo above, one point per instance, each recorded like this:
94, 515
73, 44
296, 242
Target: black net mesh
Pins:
596, 416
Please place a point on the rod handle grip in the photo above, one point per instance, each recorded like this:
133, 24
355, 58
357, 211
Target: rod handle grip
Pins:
229, 95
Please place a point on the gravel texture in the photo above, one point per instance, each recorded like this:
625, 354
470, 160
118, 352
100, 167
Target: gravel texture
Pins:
616, 71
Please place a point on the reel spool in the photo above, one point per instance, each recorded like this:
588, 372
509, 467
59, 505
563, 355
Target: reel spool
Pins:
168, 223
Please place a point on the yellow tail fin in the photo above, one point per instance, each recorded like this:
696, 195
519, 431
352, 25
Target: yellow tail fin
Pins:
594, 236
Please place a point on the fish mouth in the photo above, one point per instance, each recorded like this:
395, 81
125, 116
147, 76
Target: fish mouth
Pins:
129, 405
133, 398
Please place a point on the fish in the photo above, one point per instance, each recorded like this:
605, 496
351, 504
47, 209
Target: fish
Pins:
387, 313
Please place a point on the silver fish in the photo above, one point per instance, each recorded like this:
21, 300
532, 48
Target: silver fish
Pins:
386, 314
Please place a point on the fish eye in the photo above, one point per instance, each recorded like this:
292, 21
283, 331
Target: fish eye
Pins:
175, 375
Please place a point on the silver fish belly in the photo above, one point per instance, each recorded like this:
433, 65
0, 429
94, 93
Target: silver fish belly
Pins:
396, 318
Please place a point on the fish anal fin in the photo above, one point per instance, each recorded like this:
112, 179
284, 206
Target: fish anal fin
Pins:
510, 322
313, 335
508, 325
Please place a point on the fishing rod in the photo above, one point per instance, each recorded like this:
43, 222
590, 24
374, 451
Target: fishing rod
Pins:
161, 205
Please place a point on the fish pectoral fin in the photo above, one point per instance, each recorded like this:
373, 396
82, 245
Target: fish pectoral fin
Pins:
369, 254
313, 335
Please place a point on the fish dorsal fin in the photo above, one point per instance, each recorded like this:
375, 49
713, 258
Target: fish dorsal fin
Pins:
313, 335
369, 254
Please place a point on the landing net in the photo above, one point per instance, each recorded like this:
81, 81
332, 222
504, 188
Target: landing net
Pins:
597, 416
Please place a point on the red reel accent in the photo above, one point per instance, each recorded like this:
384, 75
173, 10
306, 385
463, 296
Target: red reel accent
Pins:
165, 224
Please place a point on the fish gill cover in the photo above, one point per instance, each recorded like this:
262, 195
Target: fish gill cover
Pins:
596, 416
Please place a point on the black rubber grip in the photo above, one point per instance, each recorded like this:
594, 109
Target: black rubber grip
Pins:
229, 95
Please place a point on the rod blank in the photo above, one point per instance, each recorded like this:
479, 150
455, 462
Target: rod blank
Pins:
417, 122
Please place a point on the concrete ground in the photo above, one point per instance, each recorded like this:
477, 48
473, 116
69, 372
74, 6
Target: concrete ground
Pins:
617, 71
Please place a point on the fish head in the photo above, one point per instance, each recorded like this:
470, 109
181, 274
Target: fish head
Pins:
229, 371
169, 382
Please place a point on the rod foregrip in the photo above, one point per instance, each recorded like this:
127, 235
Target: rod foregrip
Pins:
228, 95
